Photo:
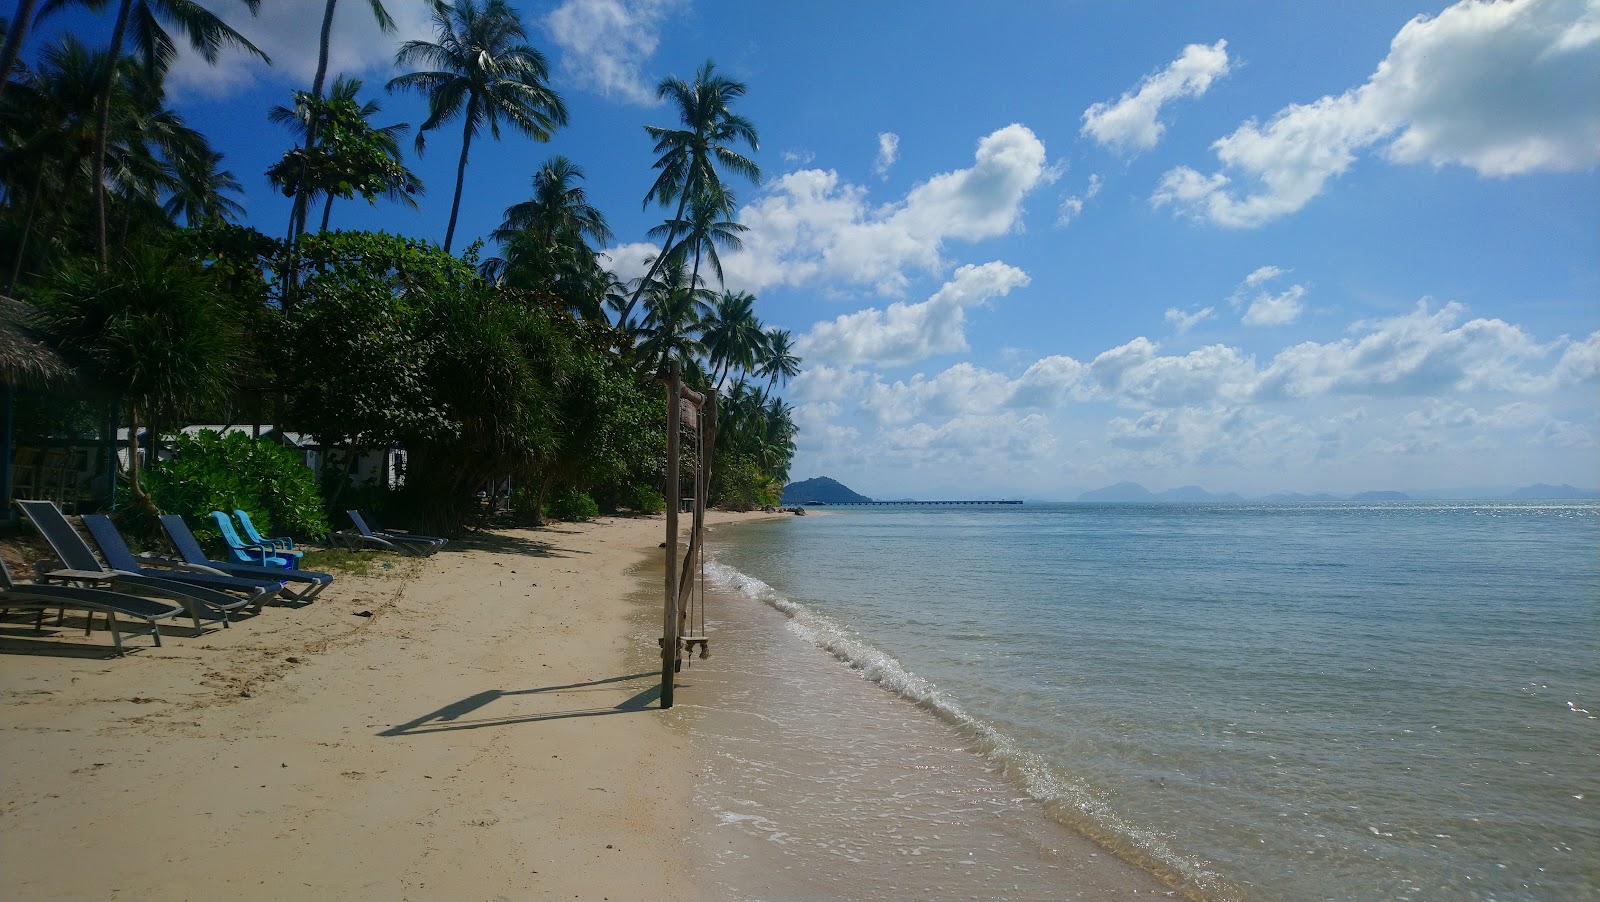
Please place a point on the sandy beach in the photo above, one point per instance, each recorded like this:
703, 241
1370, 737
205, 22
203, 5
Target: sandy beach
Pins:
477, 725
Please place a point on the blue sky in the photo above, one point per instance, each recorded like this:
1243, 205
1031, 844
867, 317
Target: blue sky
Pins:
1033, 248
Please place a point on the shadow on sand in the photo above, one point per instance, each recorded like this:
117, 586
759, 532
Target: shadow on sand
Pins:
450, 717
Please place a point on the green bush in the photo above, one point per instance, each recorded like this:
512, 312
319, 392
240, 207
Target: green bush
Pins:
646, 500
571, 504
210, 471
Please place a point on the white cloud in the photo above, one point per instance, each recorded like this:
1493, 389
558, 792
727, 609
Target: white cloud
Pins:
1504, 87
630, 261
1131, 123
1183, 321
809, 226
888, 152
290, 36
1072, 206
905, 333
604, 42
1266, 308
798, 157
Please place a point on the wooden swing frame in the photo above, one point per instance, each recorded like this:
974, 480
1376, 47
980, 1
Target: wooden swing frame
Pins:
683, 404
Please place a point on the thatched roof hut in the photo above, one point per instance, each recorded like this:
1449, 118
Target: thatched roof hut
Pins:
25, 359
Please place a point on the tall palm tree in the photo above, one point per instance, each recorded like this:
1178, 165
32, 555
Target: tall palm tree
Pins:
12, 50
675, 308
207, 34
301, 120
777, 359
544, 241
732, 335
559, 206
386, 25
691, 154
199, 190
709, 226
485, 73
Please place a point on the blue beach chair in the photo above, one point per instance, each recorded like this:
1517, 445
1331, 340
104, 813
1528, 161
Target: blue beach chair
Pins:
260, 554
194, 556
282, 546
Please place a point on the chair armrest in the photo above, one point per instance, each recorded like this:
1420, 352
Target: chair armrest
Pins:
41, 567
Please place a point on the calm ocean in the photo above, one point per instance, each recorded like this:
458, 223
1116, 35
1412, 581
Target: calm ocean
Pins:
1270, 702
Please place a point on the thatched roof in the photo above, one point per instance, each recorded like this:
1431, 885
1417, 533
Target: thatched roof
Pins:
25, 359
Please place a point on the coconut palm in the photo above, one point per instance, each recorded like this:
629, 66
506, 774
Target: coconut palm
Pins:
691, 155
207, 34
198, 192
485, 73
401, 184
708, 227
16, 29
386, 25
675, 308
777, 359
559, 207
732, 335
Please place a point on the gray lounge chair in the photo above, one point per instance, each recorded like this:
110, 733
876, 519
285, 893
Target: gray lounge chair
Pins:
121, 558
193, 557
75, 555
362, 536
403, 535
42, 598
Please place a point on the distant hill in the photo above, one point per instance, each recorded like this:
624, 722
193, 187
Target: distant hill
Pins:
1123, 492
1282, 497
819, 489
1380, 496
1542, 492
1196, 493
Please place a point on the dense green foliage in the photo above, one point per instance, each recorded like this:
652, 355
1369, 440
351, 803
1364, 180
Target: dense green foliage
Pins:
529, 372
210, 471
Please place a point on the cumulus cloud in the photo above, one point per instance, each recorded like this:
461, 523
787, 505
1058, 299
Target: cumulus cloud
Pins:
604, 42
1132, 123
811, 226
1504, 88
888, 152
905, 333
1072, 206
285, 33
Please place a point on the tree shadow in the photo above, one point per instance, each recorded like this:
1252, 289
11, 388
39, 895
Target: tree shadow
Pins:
503, 544
453, 716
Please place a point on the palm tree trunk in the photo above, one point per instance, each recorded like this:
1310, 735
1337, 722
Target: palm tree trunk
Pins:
622, 317
103, 126
27, 227
302, 200
327, 210
13, 47
461, 169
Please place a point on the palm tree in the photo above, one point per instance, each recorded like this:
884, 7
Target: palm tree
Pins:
483, 72
544, 241
386, 25
690, 155
558, 207
207, 34
732, 335
675, 308
198, 192
303, 121
708, 227
778, 361
15, 30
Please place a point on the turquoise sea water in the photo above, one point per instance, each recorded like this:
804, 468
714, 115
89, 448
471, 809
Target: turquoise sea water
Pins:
1317, 701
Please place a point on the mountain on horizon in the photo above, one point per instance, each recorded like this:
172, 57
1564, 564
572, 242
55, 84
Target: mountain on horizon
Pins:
820, 488
1542, 492
1122, 492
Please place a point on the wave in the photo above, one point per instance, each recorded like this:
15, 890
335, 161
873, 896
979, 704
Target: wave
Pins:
1068, 801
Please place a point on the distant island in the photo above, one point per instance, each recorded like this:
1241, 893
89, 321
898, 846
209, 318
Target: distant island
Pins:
819, 489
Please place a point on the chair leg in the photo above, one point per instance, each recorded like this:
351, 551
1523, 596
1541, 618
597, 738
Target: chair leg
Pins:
116, 634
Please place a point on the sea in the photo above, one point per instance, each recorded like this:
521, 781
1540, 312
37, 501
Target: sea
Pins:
1340, 701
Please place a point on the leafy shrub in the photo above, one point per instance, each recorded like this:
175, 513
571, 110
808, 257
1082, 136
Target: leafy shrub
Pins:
210, 471
646, 500
571, 504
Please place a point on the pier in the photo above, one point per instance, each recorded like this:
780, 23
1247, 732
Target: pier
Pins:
866, 503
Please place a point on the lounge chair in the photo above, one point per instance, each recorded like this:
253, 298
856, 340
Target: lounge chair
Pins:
260, 554
363, 537
41, 598
402, 534
74, 554
282, 547
256, 590
192, 557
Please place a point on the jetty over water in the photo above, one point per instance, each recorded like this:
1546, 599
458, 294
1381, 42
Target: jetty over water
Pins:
902, 503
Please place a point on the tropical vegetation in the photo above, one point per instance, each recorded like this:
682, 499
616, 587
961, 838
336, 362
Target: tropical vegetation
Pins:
520, 365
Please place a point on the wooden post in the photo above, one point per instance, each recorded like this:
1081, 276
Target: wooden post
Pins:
669, 616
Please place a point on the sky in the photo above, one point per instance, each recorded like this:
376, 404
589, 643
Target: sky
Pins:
1036, 247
